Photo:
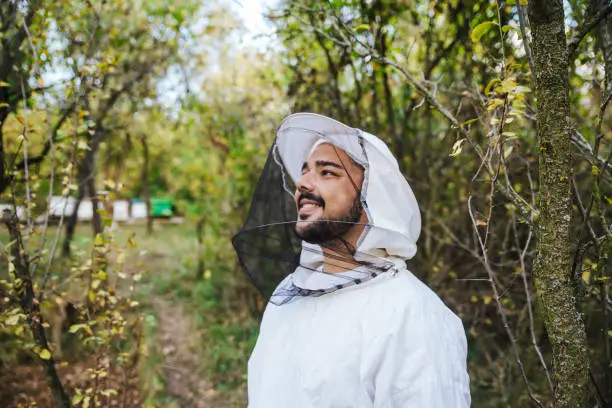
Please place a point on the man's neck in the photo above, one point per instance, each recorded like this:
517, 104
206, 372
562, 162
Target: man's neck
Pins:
336, 261
338, 256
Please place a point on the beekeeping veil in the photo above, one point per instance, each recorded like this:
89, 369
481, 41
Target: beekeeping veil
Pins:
282, 266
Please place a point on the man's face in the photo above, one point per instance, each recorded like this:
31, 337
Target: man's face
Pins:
327, 196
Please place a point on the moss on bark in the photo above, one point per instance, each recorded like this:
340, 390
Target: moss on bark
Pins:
552, 268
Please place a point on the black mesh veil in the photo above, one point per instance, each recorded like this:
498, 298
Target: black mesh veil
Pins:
310, 228
267, 245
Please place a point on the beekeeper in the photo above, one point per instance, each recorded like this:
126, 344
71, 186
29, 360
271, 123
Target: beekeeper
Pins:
330, 227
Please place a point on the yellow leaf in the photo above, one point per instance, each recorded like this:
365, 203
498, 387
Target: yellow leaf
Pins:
99, 240
490, 85
457, 148
586, 276
45, 354
4, 105
4, 84
12, 320
506, 86
481, 29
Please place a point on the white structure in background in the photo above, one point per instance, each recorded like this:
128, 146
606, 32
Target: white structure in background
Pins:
86, 210
21, 214
139, 209
61, 206
121, 210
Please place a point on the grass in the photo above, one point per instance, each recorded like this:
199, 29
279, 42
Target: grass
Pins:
225, 332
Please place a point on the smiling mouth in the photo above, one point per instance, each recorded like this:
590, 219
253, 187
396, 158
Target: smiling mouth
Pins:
307, 206
307, 209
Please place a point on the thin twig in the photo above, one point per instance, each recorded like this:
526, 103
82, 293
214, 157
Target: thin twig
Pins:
534, 340
26, 170
500, 308
526, 210
34, 264
526, 40
65, 196
585, 28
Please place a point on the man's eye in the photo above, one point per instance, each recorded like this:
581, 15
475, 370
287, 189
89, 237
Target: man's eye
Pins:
327, 173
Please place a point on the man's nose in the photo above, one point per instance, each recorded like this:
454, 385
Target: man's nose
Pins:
305, 182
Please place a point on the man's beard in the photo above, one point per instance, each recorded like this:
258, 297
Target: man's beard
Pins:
327, 232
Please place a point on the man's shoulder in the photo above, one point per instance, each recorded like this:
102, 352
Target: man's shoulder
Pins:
407, 293
404, 287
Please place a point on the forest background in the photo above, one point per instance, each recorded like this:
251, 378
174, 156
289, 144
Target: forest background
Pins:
496, 111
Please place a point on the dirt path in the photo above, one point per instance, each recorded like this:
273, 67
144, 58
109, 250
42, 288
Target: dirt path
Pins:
183, 377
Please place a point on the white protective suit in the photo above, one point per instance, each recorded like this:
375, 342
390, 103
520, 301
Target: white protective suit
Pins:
389, 342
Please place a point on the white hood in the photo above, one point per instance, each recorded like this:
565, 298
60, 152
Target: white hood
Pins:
392, 209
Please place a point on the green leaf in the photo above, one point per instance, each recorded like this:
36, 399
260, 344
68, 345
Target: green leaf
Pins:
507, 85
75, 328
45, 354
507, 28
481, 29
490, 85
76, 399
362, 27
99, 240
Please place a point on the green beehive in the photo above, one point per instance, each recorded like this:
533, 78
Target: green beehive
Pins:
161, 207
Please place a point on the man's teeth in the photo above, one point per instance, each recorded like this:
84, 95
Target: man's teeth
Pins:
309, 205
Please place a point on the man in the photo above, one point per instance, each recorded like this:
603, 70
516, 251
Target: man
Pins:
347, 324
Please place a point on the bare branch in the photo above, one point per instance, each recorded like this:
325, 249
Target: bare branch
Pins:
526, 40
580, 142
587, 25
500, 308
534, 340
26, 167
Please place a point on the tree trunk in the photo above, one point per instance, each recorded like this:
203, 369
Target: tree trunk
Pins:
87, 186
604, 41
552, 265
604, 37
200, 248
96, 221
72, 220
375, 119
144, 177
31, 308
398, 142
4, 179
